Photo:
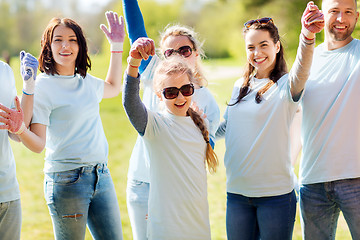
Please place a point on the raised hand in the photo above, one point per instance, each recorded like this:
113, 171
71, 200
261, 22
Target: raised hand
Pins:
115, 33
312, 20
142, 48
13, 119
28, 70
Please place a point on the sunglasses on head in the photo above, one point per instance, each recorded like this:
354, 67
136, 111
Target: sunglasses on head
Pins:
172, 92
264, 20
184, 51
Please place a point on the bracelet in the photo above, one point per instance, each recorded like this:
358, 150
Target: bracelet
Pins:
26, 93
116, 51
116, 47
21, 129
309, 39
134, 62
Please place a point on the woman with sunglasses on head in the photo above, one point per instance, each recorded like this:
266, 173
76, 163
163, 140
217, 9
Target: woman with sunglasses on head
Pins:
175, 41
261, 202
79, 190
178, 144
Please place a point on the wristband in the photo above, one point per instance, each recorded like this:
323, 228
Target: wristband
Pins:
305, 32
116, 47
134, 62
29, 94
21, 129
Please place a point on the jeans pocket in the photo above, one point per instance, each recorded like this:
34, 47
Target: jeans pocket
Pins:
67, 177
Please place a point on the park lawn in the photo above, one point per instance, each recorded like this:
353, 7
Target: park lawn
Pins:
121, 137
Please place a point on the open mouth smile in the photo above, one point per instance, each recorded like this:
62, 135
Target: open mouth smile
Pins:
259, 60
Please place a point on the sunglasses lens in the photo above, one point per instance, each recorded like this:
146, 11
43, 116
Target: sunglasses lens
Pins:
264, 20
187, 90
171, 92
249, 23
185, 51
168, 53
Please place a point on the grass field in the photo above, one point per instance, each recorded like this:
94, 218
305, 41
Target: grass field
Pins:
121, 137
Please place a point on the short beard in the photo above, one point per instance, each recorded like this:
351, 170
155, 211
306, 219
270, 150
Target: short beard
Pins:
341, 36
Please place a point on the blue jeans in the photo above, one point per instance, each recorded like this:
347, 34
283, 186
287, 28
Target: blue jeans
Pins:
268, 218
137, 194
83, 196
320, 206
10, 220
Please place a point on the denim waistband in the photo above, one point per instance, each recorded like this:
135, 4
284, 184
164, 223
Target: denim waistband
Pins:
100, 167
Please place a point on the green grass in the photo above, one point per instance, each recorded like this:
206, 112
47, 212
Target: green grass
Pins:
121, 137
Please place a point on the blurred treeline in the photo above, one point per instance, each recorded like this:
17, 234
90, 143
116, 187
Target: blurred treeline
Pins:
219, 22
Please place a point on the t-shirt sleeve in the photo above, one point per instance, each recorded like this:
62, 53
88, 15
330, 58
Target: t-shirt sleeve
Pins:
97, 85
11, 79
42, 106
154, 124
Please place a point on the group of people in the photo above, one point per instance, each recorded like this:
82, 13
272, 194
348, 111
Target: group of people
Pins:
178, 124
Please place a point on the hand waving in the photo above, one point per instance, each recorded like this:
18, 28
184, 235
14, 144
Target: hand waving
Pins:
312, 20
28, 70
13, 119
115, 33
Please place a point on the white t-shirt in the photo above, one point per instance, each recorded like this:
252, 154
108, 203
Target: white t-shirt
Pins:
9, 187
139, 160
178, 207
257, 157
69, 107
331, 116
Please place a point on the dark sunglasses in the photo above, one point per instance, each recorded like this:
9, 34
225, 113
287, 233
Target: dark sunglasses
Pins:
184, 51
264, 20
172, 92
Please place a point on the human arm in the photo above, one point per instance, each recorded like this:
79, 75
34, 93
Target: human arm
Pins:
115, 35
28, 69
13, 119
134, 108
135, 25
312, 23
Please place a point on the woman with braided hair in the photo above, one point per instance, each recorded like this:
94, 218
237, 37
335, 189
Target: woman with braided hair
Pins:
177, 140
261, 201
174, 40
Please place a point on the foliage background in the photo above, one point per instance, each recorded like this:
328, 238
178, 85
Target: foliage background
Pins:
219, 23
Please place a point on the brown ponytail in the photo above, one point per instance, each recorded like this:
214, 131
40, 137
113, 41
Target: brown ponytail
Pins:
211, 157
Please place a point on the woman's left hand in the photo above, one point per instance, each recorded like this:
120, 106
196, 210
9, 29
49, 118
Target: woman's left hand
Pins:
116, 32
312, 21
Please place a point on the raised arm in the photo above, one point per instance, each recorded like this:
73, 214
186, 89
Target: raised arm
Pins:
115, 35
135, 109
135, 25
312, 22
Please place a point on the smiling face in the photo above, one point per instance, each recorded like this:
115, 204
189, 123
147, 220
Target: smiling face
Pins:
65, 49
179, 105
340, 20
261, 51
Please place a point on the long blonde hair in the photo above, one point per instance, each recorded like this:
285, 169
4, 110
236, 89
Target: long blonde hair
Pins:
175, 65
180, 30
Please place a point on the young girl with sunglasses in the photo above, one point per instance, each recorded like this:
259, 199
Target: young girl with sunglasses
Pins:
79, 190
175, 41
261, 202
178, 144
